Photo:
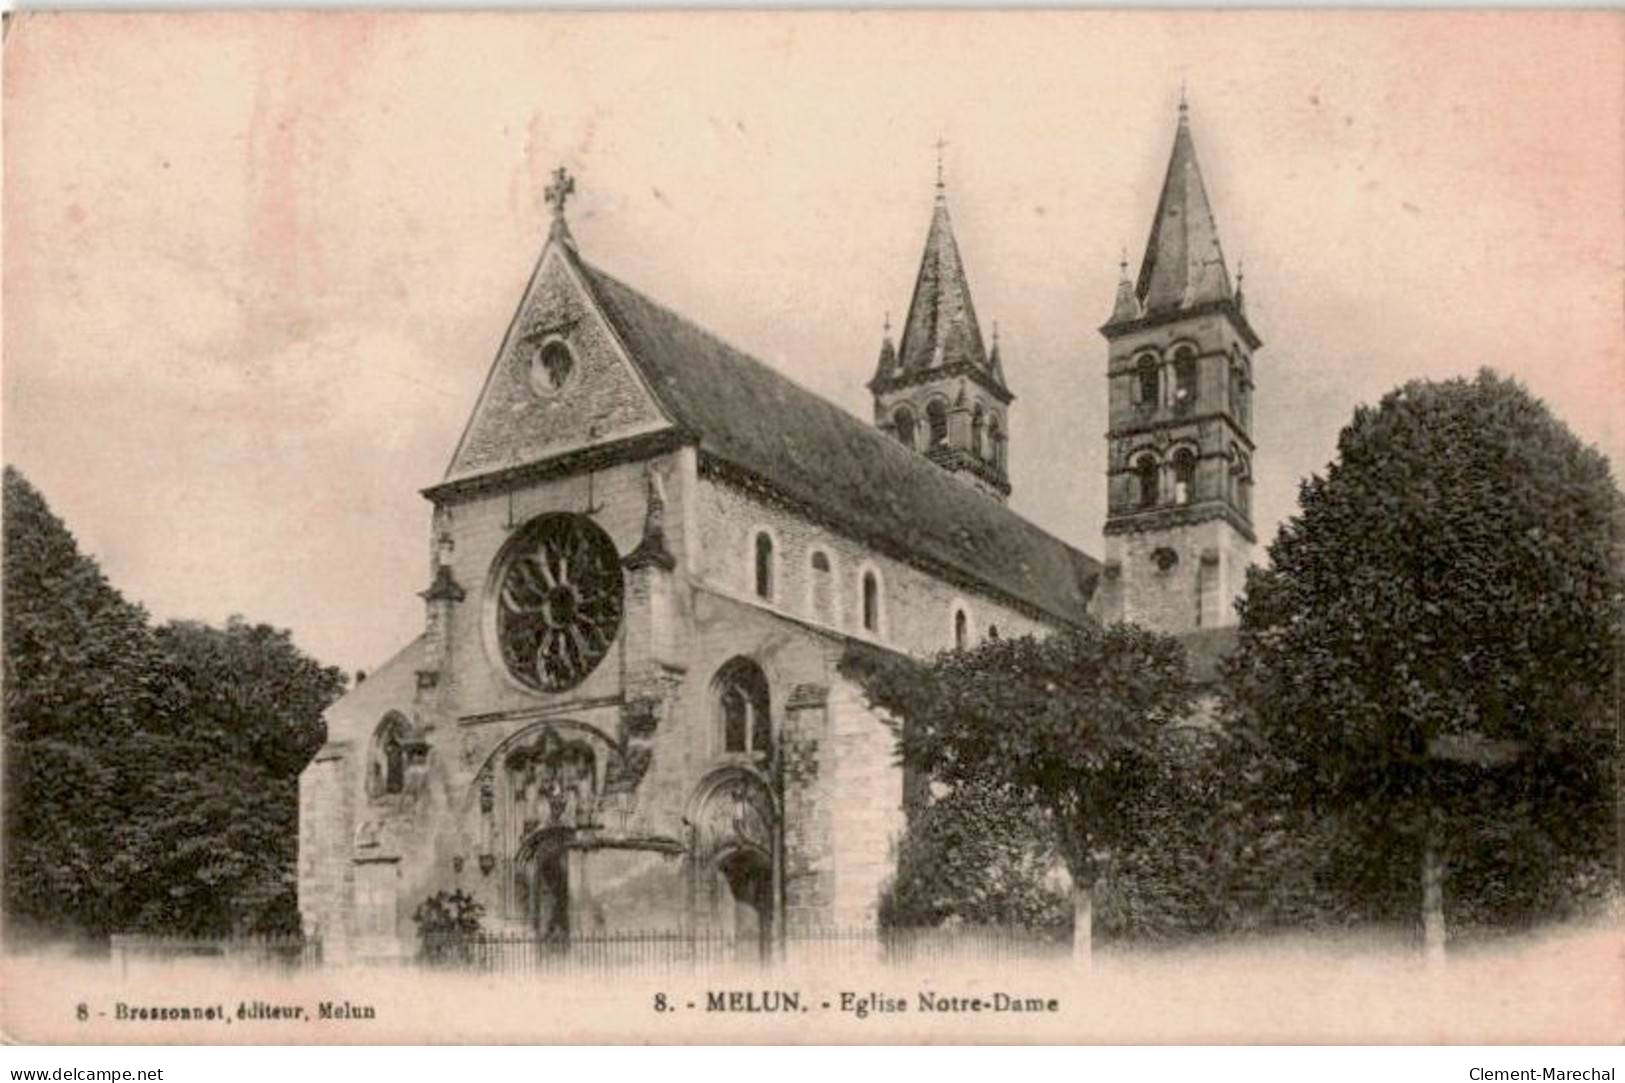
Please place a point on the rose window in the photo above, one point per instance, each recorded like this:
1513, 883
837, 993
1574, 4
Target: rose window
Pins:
559, 601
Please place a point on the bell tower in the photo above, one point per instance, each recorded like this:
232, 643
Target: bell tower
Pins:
1179, 371
942, 392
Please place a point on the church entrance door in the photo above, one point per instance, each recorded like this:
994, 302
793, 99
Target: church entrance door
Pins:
548, 881
749, 879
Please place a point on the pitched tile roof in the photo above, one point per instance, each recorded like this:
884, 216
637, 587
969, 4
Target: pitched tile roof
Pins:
749, 417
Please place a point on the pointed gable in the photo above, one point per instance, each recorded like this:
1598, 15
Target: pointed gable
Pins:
941, 328
561, 379
1183, 265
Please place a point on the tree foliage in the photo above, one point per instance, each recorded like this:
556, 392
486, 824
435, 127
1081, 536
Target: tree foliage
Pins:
81, 674
449, 922
80, 662
1453, 580
449, 913
977, 854
1069, 725
217, 796
150, 774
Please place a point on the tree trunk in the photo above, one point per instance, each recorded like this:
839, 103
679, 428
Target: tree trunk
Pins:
1083, 923
1432, 893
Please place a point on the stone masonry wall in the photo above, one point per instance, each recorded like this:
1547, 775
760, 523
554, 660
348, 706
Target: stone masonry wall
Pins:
916, 610
809, 807
1198, 590
477, 681
324, 869
869, 816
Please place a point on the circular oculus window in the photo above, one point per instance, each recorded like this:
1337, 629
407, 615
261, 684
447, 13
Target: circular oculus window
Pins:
551, 366
560, 598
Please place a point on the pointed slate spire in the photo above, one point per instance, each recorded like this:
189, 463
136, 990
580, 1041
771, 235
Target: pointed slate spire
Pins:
1127, 305
941, 328
1183, 265
887, 364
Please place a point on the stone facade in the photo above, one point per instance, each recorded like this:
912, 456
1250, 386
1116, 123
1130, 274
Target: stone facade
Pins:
695, 759
1176, 578
650, 557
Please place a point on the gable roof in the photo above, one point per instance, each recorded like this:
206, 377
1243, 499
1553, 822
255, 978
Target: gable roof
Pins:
749, 417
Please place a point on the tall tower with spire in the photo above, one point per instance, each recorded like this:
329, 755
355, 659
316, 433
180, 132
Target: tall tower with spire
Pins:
942, 391
1179, 530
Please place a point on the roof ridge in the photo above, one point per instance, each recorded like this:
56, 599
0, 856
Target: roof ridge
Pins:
705, 332
912, 458
767, 443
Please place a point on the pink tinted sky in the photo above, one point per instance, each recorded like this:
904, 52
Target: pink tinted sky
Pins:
256, 266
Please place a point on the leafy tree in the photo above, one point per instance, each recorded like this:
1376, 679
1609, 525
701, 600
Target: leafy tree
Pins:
976, 854
82, 673
1070, 725
1169, 877
252, 692
150, 775
215, 840
1431, 651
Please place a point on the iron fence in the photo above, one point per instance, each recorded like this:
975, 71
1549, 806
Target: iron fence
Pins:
284, 950
654, 951
633, 951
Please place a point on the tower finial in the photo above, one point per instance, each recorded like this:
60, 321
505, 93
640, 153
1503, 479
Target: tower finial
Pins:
886, 326
941, 145
559, 191
1184, 105
1122, 262
995, 334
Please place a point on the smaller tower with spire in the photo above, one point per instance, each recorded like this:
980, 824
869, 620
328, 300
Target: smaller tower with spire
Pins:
1179, 531
941, 391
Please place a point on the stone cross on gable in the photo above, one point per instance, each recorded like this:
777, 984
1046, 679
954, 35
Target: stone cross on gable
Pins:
559, 191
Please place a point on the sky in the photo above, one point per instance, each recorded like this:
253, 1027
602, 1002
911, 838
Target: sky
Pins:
255, 266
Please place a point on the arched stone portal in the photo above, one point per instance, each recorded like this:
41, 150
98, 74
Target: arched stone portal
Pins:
734, 858
537, 795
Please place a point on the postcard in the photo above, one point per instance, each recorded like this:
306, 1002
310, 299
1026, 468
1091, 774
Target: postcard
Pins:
813, 527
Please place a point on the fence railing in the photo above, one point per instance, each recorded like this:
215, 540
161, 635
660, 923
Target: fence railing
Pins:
635, 951
287, 950
702, 949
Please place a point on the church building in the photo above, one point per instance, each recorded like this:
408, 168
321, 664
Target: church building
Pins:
651, 553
